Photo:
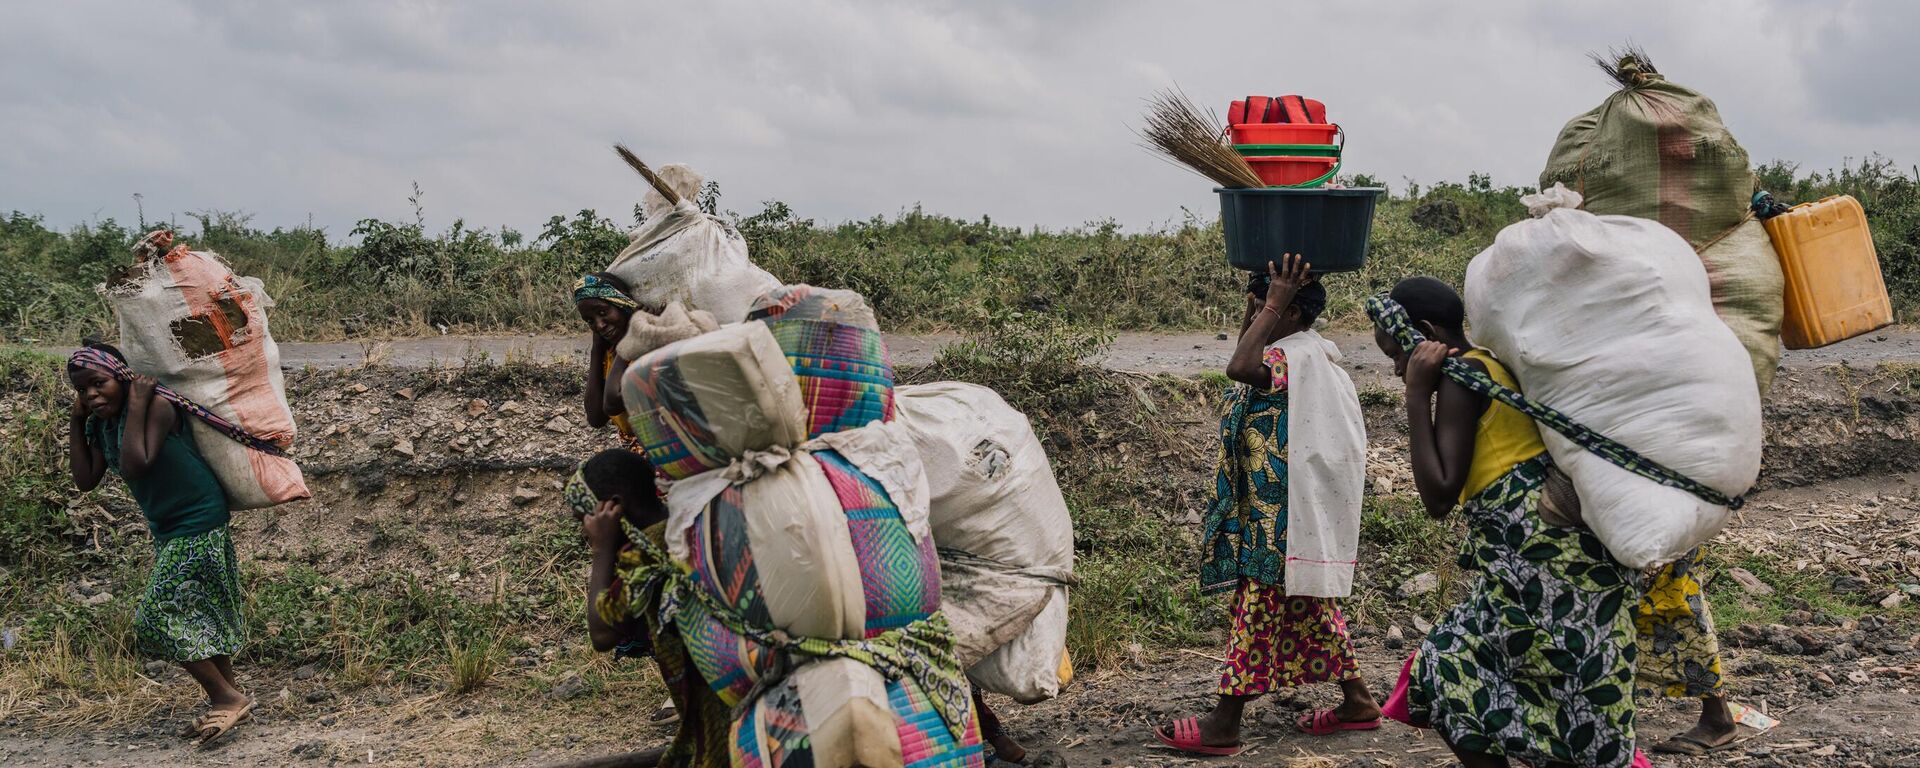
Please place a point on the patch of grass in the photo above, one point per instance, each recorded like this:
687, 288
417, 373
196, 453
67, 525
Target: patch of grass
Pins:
1398, 541
1811, 589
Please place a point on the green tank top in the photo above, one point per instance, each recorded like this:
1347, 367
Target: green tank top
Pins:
179, 495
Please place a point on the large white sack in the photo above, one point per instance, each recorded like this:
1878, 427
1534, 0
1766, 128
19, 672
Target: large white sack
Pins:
993, 495
683, 254
1609, 320
189, 322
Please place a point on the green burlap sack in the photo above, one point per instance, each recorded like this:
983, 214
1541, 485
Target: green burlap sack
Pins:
1748, 290
1658, 150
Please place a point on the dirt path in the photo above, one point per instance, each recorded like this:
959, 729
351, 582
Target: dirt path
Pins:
1838, 707
1176, 353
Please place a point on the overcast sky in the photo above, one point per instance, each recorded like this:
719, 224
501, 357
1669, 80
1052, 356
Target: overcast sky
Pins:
504, 111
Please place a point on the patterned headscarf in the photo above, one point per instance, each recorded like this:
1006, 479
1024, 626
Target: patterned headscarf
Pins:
103, 361
596, 287
580, 499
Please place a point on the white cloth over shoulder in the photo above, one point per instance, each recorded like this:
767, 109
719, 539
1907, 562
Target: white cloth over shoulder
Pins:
1326, 468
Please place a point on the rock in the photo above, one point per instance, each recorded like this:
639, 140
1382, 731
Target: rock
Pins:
156, 668
328, 720
523, 496
1822, 678
1844, 652
1785, 644
1749, 582
1797, 618
1912, 590
1420, 585
559, 424
319, 695
357, 388
97, 598
403, 447
1859, 677
1395, 638
1893, 601
307, 672
1422, 626
405, 393
1847, 584
1220, 337
1826, 751
1813, 644
476, 407
310, 750
569, 686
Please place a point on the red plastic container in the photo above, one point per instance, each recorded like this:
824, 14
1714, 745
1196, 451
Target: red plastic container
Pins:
1283, 133
1293, 171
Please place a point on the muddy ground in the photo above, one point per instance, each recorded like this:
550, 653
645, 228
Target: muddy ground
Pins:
451, 461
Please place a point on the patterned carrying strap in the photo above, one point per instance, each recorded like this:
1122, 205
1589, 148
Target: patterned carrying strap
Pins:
922, 650
100, 360
1389, 316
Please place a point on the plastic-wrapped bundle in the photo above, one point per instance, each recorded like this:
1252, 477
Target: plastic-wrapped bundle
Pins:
697, 404
805, 302
837, 713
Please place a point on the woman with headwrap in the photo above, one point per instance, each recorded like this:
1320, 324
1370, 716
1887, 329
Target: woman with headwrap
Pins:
607, 306
190, 612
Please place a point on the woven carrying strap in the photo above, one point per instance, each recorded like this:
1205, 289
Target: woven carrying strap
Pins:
1389, 316
921, 651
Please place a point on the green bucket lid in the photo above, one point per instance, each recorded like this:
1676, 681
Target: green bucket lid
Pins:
1287, 150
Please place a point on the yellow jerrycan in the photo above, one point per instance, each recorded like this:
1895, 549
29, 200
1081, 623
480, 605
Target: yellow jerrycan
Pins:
1834, 288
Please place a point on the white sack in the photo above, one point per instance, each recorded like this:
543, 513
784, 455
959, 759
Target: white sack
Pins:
1326, 468
682, 254
1609, 320
993, 496
848, 716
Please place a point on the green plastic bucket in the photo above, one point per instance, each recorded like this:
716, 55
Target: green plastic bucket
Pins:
1287, 150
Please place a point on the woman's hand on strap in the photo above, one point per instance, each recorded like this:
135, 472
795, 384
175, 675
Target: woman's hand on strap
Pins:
1424, 365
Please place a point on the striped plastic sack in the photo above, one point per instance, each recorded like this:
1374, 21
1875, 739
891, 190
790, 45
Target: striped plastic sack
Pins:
806, 302
846, 378
730, 664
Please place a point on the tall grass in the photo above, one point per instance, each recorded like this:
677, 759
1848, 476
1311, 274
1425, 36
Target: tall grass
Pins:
921, 270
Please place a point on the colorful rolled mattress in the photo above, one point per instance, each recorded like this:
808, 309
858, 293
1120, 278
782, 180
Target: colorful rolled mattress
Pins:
845, 375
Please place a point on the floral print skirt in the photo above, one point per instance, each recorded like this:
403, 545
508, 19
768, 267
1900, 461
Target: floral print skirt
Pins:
1280, 641
1679, 653
191, 609
1538, 663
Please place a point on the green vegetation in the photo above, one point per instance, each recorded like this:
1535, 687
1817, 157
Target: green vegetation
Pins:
920, 270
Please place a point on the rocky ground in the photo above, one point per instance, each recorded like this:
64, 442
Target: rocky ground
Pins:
427, 469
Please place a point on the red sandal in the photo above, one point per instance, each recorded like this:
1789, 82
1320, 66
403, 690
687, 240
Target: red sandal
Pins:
1325, 723
1186, 738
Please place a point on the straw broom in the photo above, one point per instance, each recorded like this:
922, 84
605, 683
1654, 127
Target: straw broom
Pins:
640, 167
1179, 131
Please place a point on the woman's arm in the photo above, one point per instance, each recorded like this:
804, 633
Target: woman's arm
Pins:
148, 425
86, 461
605, 538
1248, 365
1442, 421
596, 383
615, 403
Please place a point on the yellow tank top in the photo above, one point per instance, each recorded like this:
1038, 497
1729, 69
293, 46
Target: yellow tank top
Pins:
620, 423
1505, 438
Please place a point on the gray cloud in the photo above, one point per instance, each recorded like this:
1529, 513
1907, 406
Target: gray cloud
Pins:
503, 111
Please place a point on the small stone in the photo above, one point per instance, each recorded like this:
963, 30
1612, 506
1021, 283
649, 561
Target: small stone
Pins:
1822, 678
307, 672
1220, 337
1912, 590
155, 668
405, 393
1395, 638
1844, 652
1859, 677
403, 447
1826, 751
476, 407
1422, 626
1420, 585
1893, 601
510, 406
319, 696
97, 598
1797, 618
559, 424
357, 388
569, 686
1749, 582
310, 749
523, 496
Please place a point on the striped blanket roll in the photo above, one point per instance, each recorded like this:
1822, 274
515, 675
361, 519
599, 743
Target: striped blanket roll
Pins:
846, 377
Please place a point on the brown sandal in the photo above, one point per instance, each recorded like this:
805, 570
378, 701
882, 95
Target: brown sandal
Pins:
223, 721
193, 728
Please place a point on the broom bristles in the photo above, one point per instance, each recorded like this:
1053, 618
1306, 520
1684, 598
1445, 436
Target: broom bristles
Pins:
640, 166
1625, 65
1181, 132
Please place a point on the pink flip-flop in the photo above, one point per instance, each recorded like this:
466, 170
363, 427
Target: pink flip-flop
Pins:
1324, 723
1186, 738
